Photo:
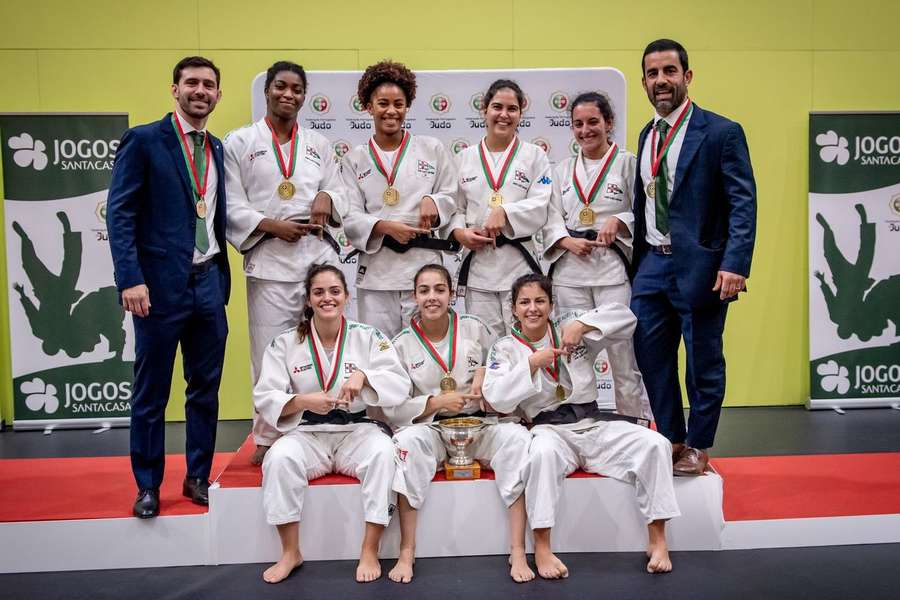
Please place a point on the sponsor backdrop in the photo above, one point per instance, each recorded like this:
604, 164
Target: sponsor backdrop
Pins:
72, 348
854, 234
447, 106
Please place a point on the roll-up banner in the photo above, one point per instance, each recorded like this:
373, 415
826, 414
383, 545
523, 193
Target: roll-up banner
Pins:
854, 259
72, 348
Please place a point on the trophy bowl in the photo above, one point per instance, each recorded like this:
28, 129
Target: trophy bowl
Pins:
458, 434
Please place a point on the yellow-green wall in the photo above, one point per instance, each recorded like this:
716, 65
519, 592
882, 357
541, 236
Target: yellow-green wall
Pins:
765, 63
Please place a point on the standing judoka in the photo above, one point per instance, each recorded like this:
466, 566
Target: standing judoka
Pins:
283, 182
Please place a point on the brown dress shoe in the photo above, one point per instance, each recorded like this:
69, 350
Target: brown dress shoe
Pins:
692, 462
677, 451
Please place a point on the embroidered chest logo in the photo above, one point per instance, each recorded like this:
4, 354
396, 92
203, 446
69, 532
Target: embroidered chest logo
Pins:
311, 152
364, 174
349, 368
566, 190
472, 361
414, 366
521, 177
425, 168
545, 180
466, 180
579, 352
256, 155
383, 345
401, 454
612, 188
301, 369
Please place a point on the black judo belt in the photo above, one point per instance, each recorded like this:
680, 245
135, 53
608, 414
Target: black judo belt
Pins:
573, 413
324, 236
591, 235
343, 417
420, 241
501, 240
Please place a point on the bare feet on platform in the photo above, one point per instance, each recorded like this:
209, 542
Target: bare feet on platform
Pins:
658, 549
285, 565
369, 569
518, 567
548, 566
259, 455
403, 570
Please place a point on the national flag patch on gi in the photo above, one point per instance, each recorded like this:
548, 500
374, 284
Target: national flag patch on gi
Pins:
425, 168
612, 188
521, 177
401, 454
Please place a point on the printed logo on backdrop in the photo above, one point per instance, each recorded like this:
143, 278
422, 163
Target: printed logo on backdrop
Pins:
319, 106
72, 352
359, 119
851, 155
341, 148
458, 145
542, 144
833, 148
559, 103
440, 105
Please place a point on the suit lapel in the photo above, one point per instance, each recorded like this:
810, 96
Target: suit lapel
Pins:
170, 139
693, 138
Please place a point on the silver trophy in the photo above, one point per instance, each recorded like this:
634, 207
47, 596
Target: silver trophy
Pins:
458, 434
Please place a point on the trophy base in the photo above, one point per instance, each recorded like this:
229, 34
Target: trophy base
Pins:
454, 472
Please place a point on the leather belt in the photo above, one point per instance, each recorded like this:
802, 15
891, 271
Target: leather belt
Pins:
502, 240
664, 249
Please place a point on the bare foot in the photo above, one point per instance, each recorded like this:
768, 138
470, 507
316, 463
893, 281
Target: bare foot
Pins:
548, 566
285, 565
518, 567
403, 570
259, 455
659, 558
369, 569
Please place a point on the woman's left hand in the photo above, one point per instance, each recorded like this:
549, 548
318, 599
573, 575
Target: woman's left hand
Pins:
352, 387
428, 213
572, 335
607, 233
321, 210
496, 221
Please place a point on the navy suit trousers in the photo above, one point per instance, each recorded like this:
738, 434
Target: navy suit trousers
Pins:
664, 318
197, 321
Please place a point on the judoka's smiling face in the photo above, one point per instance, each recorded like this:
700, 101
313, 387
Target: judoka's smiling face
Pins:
532, 307
432, 295
502, 114
388, 107
197, 91
285, 95
591, 130
327, 296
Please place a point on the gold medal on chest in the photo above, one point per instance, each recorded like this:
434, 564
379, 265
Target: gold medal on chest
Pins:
391, 196
586, 216
201, 208
286, 190
496, 199
448, 384
560, 393
651, 189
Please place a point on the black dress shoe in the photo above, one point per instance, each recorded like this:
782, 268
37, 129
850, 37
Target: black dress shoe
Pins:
196, 489
147, 504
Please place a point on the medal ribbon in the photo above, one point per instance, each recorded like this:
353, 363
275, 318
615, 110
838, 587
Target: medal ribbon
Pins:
601, 177
276, 147
432, 351
401, 152
656, 160
189, 160
554, 341
338, 355
498, 183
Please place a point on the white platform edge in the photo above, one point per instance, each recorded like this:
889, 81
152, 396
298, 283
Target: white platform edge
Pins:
818, 531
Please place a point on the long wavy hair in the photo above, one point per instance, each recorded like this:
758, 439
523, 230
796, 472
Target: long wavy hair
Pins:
306, 318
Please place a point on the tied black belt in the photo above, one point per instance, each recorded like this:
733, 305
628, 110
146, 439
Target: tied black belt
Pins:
573, 413
420, 241
325, 236
591, 235
343, 417
502, 240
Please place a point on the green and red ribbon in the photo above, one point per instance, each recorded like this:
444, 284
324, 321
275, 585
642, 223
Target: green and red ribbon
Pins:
276, 147
432, 351
656, 160
496, 184
598, 183
338, 355
554, 341
189, 161
401, 152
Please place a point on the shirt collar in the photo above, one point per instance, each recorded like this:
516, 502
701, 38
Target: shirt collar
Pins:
185, 126
672, 116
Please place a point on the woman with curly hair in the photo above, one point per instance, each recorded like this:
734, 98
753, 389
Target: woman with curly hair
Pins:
504, 190
402, 193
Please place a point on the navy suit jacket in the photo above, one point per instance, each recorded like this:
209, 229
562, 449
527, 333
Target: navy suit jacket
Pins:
712, 208
150, 214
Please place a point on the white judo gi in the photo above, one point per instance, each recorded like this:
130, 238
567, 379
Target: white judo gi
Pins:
306, 451
275, 269
384, 279
617, 449
526, 195
581, 283
420, 450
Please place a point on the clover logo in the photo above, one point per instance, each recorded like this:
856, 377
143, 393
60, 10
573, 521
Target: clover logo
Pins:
833, 147
39, 395
28, 151
834, 377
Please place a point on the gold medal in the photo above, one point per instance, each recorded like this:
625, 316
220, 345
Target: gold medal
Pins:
586, 216
201, 208
286, 190
496, 199
560, 393
391, 196
651, 189
448, 384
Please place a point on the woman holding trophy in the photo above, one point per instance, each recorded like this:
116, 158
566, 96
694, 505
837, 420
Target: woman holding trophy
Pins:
401, 187
444, 353
545, 370
315, 385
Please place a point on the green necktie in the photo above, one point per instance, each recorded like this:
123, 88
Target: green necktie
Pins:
201, 238
662, 186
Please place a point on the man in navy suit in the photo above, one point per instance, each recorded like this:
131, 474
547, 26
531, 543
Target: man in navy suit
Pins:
695, 225
166, 219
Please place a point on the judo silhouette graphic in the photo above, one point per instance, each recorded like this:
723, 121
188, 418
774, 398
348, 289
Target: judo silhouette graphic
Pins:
858, 304
65, 318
